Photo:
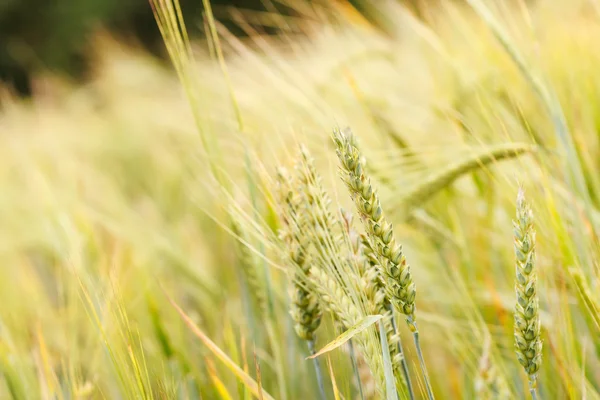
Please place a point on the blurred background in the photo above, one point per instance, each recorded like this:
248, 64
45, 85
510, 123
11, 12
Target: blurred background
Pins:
122, 171
55, 35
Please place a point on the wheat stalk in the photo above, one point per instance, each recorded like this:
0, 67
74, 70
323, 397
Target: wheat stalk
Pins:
399, 285
528, 343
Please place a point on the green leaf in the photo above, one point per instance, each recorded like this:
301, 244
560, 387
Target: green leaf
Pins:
348, 334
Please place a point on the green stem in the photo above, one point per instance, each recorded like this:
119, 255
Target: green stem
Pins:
533, 388
405, 372
421, 360
317, 365
533, 392
355, 368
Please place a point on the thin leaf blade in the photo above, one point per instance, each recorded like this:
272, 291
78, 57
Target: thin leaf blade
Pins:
348, 334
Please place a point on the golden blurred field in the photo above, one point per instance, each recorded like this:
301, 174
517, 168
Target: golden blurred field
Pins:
117, 195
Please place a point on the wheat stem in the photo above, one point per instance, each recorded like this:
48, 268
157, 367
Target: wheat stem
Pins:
404, 365
422, 363
317, 365
355, 368
533, 388
533, 392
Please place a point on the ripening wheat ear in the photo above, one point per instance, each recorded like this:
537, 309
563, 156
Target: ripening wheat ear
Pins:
528, 344
304, 309
324, 227
248, 264
399, 285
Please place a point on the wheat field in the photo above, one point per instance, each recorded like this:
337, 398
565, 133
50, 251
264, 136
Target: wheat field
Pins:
196, 230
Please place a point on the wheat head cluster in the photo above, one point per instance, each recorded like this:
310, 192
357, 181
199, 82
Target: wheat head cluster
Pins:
351, 275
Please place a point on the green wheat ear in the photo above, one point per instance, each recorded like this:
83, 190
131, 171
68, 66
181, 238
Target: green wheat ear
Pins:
399, 286
305, 309
528, 344
247, 262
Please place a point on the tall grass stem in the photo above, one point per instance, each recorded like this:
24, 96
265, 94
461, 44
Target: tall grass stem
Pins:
317, 365
422, 363
405, 372
355, 369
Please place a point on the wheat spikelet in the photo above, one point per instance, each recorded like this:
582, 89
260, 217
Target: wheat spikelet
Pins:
528, 344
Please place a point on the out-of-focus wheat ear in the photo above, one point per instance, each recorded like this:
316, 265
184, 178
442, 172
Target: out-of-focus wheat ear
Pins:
489, 384
247, 262
399, 285
528, 343
413, 197
305, 309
